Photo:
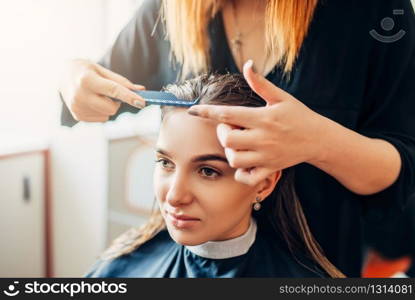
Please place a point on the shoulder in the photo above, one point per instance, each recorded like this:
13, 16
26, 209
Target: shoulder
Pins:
151, 7
122, 266
148, 12
145, 20
355, 16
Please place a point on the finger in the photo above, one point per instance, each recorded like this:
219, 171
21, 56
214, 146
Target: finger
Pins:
222, 131
236, 115
264, 88
252, 176
97, 119
236, 138
242, 159
112, 89
92, 117
103, 105
118, 78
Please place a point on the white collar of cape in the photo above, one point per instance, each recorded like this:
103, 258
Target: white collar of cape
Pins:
229, 248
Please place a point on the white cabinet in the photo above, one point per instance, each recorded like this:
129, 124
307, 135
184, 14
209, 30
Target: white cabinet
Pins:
22, 215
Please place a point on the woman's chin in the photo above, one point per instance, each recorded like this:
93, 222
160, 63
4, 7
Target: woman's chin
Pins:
186, 238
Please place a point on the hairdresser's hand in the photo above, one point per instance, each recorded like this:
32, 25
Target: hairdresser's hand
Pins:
279, 135
86, 88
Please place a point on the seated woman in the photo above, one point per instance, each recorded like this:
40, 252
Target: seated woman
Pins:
216, 226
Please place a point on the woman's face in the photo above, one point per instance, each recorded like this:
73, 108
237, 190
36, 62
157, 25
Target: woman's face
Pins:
193, 181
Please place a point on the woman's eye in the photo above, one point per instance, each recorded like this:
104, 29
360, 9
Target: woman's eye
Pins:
210, 173
165, 164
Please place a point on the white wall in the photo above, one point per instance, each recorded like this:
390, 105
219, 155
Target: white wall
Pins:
36, 37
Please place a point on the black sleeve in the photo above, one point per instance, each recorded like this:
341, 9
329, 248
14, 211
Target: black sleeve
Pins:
389, 110
140, 53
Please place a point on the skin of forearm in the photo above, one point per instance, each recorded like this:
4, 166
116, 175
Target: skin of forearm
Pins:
363, 165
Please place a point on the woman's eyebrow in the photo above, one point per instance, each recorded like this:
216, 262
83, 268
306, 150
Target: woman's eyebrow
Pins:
162, 152
210, 157
199, 158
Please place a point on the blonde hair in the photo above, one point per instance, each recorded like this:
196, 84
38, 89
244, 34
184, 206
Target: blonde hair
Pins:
135, 237
286, 26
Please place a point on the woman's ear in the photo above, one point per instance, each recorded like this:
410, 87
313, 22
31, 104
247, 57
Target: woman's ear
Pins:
266, 186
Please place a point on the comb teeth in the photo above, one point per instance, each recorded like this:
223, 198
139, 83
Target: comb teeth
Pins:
156, 95
164, 98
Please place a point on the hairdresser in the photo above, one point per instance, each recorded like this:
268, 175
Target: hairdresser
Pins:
338, 80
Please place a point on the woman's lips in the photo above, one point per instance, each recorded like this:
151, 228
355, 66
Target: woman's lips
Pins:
182, 221
183, 217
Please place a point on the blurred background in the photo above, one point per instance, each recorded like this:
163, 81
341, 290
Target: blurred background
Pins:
65, 193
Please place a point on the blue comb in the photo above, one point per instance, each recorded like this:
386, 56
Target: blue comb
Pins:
163, 98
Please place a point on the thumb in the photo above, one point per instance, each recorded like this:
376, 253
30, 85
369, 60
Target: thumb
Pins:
263, 87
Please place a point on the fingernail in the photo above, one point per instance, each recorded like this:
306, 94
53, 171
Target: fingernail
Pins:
139, 104
193, 112
139, 87
248, 64
222, 131
229, 153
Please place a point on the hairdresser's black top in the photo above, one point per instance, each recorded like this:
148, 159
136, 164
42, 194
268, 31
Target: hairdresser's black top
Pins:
162, 257
343, 73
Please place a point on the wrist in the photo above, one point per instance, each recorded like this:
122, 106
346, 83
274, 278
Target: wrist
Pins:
326, 131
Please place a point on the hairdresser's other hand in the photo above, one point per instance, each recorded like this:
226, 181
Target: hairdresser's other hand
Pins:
282, 134
87, 86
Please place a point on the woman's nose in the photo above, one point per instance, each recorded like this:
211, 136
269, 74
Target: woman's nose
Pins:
178, 192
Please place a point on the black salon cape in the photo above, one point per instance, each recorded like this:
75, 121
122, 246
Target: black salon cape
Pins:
162, 257
343, 73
